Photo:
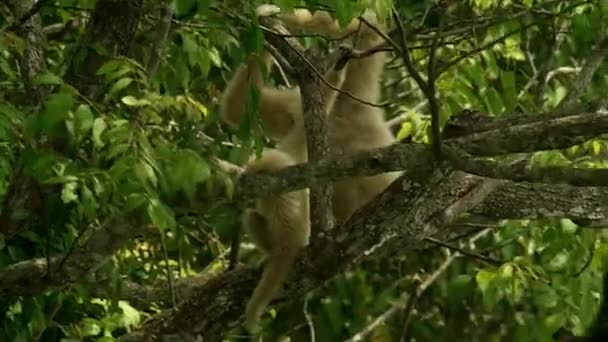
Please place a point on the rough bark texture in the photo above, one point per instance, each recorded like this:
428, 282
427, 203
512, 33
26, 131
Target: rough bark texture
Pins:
522, 135
22, 202
110, 31
313, 107
33, 62
399, 223
35, 276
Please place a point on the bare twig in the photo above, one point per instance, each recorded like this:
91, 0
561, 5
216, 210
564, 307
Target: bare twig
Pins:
410, 300
311, 325
585, 77
322, 78
427, 87
465, 252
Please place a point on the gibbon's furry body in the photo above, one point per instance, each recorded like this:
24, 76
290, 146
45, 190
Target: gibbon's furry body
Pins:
280, 225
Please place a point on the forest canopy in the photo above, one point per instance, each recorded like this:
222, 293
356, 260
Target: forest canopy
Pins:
122, 190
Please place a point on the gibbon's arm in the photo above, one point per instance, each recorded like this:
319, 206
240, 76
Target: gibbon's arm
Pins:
279, 108
280, 227
322, 22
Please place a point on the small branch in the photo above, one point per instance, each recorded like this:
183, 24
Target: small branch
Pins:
427, 87
584, 79
162, 32
523, 172
33, 62
31, 277
485, 259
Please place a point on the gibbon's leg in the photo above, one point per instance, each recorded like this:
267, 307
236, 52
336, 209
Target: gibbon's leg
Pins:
281, 228
257, 226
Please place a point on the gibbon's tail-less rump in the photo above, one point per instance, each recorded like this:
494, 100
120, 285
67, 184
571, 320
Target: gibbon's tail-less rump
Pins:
280, 225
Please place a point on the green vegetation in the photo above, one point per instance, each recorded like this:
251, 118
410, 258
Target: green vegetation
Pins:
119, 199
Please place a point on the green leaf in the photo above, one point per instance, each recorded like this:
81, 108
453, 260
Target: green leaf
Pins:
99, 125
89, 204
109, 66
145, 173
134, 102
484, 278
134, 201
68, 193
252, 39
55, 112
83, 119
120, 85
7, 70
160, 215
48, 78
90, 327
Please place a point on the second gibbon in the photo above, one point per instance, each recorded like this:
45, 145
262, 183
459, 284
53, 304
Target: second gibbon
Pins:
280, 225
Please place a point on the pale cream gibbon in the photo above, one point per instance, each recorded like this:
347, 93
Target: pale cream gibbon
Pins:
280, 225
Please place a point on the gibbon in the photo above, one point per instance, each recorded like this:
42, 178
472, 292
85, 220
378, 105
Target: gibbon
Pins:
280, 225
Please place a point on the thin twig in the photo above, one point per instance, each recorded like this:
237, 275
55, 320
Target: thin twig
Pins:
309, 321
325, 81
427, 87
168, 269
465, 252
410, 300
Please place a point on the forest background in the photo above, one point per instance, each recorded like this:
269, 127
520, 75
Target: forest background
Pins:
121, 190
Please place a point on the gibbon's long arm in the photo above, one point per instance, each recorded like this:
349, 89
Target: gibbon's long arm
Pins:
279, 108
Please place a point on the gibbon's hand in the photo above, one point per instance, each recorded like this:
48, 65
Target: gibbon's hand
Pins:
267, 10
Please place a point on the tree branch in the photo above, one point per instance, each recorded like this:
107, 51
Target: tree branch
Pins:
37, 275
313, 108
486, 139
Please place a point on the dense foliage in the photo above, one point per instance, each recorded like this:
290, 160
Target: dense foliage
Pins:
115, 202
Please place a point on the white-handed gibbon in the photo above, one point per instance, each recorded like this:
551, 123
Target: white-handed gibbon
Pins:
280, 225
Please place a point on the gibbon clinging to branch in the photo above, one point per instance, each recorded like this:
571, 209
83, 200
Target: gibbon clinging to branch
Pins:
280, 225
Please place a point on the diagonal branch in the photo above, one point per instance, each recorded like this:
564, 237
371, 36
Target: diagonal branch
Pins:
217, 306
37, 275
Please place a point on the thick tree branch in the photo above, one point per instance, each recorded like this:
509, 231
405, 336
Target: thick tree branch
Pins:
523, 171
33, 62
313, 107
24, 194
35, 276
162, 32
218, 305
488, 139
111, 29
